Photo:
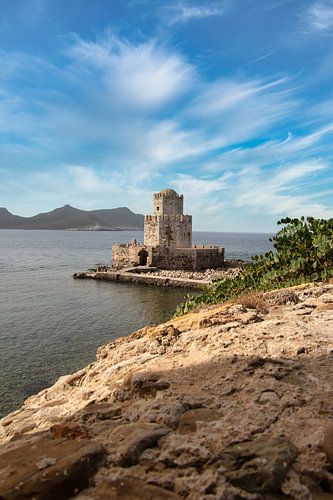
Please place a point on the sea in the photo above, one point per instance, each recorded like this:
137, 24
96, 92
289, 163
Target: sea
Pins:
52, 325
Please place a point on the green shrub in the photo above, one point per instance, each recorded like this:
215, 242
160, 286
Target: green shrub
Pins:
303, 252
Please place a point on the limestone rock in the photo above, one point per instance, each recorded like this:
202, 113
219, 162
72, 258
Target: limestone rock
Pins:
145, 384
260, 465
328, 443
48, 468
188, 421
131, 488
69, 431
130, 440
210, 405
268, 397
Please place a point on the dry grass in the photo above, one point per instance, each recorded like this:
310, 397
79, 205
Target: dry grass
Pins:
253, 300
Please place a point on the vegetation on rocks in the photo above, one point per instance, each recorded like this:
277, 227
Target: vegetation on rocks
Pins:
303, 252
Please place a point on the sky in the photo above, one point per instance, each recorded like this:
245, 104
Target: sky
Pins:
229, 102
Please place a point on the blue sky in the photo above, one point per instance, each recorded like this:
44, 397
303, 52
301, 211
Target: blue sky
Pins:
229, 102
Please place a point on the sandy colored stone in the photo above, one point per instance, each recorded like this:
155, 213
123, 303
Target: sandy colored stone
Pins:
328, 443
69, 431
48, 468
260, 465
130, 440
130, 488
268, 397
233, 401
188, 421
146, 384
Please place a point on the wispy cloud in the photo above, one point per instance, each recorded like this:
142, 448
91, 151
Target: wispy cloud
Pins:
204, 195
144, 75
224, 95
275, 152
319, 16
239, 110
88, 181
276, 191
118, 117
261, 58
181, 12
200, 186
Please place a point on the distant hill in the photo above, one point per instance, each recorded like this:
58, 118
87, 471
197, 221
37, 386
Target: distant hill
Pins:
68, 217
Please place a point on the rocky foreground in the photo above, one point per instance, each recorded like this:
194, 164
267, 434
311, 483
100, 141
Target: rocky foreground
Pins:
231, 269
230, 402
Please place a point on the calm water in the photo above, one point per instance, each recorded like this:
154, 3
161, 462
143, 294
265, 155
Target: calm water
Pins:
51, 324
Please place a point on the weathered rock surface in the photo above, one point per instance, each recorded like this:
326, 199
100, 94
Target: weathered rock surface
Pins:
231, 269
229, 402
47, 468
258, 465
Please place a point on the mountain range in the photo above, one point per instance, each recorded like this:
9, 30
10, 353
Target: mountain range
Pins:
71, 218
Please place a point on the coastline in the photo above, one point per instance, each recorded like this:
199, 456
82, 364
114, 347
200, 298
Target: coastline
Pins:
154, 276
232, 400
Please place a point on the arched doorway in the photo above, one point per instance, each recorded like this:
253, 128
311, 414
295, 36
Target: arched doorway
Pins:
143, 256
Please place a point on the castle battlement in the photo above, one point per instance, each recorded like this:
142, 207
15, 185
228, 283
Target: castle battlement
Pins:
168, 240
168, 227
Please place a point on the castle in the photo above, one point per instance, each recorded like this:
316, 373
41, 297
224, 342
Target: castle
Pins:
167, 240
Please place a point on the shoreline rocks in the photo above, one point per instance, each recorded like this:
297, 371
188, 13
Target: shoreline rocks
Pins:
159, 277
233, 401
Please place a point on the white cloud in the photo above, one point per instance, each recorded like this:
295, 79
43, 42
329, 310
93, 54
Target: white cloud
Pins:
204, 197
274, 151
168, 141
185, 11
120, 89
240, 110
319, 16
87, 180
275, 192
261, 58
283, 177
280, 177
199, 186
129, 118
80, 186
144, 75
223, 95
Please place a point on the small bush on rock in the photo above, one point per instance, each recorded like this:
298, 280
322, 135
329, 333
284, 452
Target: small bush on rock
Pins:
303, 252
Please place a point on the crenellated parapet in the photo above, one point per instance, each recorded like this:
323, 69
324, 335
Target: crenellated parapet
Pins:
167, 240
168, 227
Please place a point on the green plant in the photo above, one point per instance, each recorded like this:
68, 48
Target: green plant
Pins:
303, 251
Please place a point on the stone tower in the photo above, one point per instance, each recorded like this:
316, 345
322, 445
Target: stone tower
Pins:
168, 227
167, 240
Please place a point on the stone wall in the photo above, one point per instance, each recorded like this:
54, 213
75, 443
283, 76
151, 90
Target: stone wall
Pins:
151, 230
168, 202
191, 259
173, 232
209, 258
168, 226
167, 258
177, 232
128, 255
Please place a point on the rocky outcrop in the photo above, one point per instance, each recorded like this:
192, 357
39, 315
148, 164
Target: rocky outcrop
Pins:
161, 277
230, 402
